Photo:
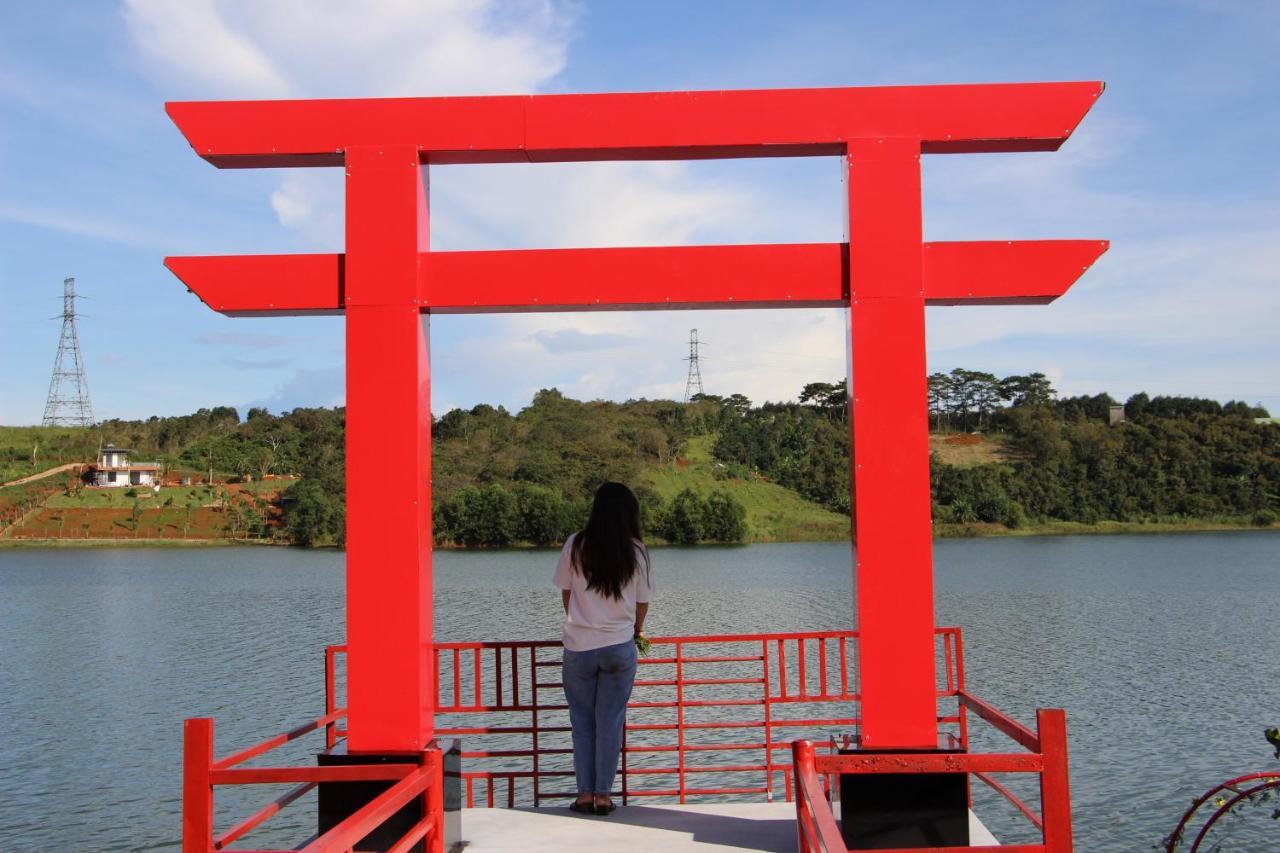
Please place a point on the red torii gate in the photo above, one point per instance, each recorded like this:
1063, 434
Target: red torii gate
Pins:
387, 280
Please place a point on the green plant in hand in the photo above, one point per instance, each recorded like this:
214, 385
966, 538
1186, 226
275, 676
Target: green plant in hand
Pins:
643, 645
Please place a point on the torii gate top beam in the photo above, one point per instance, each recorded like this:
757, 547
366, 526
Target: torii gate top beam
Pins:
641, 126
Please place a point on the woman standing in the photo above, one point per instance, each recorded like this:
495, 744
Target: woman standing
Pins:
603, 575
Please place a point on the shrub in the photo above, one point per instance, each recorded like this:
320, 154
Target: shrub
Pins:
1264, 518
962, 512
1014, 515
685, 519
724, 519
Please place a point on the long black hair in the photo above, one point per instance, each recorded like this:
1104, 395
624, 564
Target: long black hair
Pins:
605, 550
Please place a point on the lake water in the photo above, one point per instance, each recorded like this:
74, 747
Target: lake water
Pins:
1163, 650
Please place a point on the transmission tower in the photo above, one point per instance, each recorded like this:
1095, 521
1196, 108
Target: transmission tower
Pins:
68, 403
693, 385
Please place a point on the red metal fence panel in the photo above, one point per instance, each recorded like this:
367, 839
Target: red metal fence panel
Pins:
708, 717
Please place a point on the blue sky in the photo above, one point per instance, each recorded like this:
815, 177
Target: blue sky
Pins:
1174, 166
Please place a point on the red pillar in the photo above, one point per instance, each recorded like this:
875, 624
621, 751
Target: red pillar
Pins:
390, 697
890, 453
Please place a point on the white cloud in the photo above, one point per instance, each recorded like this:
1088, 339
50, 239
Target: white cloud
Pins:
292, 203
71, 222
192, 45
376, 48
579, 204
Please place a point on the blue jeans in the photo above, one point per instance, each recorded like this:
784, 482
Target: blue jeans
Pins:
597, 684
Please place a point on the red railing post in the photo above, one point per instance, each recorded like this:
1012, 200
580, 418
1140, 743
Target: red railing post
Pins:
433, 801
801, 762
768, 720
330, 698
197, 789
680, 718
1055, 791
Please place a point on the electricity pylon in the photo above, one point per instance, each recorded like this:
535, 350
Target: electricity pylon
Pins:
68, 403
695, 373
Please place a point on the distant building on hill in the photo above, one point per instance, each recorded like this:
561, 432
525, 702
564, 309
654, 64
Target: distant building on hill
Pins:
1272, 421
1117, 415
113, 469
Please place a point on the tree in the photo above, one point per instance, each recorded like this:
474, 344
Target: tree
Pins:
685, 520
476, 517
737, 403
829, 398
724, 519
314, 516
542, 516
1034, 389
940, 391
653, 511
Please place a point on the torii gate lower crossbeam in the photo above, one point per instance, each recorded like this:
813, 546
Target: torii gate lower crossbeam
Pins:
388, 280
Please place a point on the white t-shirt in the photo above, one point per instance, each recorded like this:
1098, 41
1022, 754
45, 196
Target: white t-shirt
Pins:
594, 621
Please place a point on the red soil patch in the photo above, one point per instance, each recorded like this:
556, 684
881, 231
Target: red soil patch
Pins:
206, 522
965, 439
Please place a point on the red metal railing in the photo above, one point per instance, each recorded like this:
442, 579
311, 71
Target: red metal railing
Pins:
202, 773
708, 717
1046, 756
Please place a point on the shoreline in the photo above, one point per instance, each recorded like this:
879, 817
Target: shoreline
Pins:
978, 530
983, 530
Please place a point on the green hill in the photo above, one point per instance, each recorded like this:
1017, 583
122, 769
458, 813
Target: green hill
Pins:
1007, 455
774, 513
29, 450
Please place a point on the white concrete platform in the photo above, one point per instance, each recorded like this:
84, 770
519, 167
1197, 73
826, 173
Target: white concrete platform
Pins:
699, 828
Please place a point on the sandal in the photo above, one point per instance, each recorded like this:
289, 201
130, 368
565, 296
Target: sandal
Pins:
607, 808
583, 808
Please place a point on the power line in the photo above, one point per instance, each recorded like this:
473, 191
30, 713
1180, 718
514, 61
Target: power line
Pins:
68, 402
694, 379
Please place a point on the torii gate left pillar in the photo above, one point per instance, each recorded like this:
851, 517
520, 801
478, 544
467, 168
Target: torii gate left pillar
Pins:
390, 695
388, 281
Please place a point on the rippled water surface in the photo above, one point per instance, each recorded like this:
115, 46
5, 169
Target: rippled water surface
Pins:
1161, 648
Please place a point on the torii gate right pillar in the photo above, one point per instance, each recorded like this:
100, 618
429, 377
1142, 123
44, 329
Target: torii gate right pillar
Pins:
889, 432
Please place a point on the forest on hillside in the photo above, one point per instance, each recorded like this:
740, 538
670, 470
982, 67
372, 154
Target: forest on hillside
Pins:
1174, 459
527, 477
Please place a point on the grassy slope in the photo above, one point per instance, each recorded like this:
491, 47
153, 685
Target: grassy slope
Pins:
774, 513
22, 439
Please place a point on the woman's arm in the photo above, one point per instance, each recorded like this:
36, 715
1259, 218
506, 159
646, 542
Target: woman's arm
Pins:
642, 610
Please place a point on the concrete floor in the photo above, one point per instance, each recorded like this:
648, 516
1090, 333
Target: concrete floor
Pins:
646, 829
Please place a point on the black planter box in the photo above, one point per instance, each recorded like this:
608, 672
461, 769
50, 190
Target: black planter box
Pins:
880, 811
339, 800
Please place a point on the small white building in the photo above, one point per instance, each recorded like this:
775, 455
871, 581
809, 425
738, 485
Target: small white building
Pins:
113, 469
